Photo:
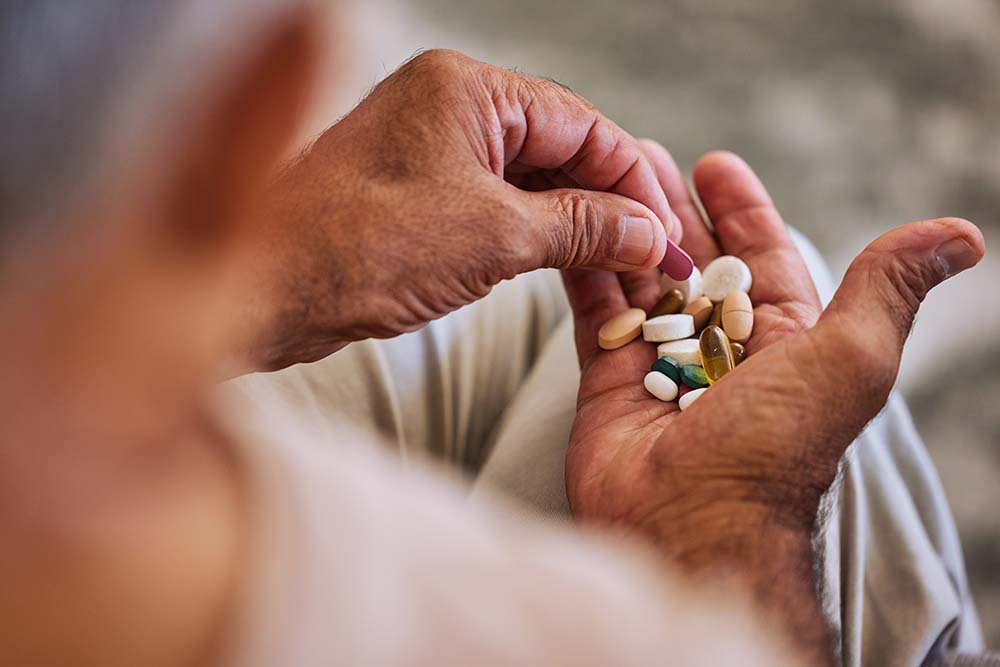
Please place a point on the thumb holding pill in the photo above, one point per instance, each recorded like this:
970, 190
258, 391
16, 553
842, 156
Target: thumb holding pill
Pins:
450, 177
574, 228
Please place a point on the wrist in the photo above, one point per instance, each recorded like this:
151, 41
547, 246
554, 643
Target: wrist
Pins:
295, 278
290, 322
751, 548
702, 531
769, 488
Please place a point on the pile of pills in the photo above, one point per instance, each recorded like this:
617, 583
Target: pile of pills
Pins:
700, 323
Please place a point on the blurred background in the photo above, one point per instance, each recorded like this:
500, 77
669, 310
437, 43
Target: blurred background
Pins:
858, 115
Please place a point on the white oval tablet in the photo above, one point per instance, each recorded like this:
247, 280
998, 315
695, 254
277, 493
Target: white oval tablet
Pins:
724, 275
690, 288
668, 327
684, 352
660, 385
690, 397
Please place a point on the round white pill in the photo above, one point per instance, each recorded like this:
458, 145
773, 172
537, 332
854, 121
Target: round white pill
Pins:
660, 385
684, 352
690, 288
668, 327
690, 397
724, 275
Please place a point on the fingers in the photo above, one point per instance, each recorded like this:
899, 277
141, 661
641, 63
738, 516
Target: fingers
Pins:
749, 226
594, 297
698, 239
546, 126
738, 205
580, 228
862, 332
642, 288
535, 180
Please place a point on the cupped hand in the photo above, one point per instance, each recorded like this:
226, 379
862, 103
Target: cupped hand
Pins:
451, 176
735, 481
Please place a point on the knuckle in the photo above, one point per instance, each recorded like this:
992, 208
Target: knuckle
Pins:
543, 85
902, 285
582, 233
439, 84
878, 361
652, 145
435, 64
875, 361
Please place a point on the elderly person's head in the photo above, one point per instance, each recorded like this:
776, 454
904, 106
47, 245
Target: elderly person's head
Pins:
136, 136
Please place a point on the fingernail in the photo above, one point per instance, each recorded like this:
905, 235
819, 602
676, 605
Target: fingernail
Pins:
676, 263
956, 256
637, 241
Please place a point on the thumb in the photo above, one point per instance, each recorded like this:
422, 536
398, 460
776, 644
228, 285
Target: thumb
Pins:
811, 394
870, 317
581, 228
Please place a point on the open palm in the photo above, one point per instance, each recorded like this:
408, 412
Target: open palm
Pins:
772, 430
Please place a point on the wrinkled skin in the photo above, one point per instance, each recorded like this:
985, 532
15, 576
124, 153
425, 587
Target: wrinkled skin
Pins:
451, 176
736, 479
454, 175
612, 399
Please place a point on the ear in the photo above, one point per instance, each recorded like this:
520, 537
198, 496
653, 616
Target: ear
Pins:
232, 150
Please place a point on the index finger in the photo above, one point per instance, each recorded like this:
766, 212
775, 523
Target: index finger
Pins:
547, 126
749, 226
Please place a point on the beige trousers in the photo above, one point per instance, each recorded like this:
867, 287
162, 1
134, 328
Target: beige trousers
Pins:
491, 390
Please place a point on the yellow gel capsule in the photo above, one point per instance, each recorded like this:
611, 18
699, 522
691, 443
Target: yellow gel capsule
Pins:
716, 355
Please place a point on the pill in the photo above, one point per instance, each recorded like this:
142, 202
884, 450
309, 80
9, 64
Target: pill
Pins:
737, 316
660, 385
701, 310
683, 389
668, 367
676, 263
716, 357
724, 275
670, 303
690, 288
739, 352
682, 351
715, 319
667, 327
621, 329
690, 397
694, 376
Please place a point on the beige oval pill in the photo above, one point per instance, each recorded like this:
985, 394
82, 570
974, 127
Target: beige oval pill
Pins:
621, 329
701, 310
737, 316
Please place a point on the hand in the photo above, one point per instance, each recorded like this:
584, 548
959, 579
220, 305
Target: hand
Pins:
735, 481
451, 176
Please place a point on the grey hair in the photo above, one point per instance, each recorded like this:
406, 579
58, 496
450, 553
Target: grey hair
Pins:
85, 83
